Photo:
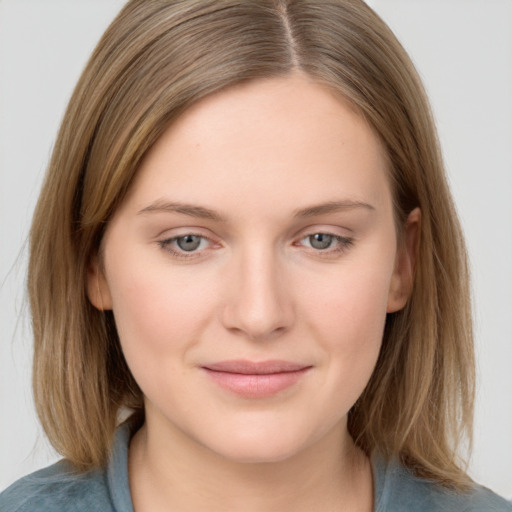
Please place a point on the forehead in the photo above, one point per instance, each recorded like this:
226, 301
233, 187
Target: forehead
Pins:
262, 140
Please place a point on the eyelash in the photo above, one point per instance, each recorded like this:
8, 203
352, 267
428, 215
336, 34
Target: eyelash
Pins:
342, 244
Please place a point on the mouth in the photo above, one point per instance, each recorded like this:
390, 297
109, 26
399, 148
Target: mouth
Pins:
251, 379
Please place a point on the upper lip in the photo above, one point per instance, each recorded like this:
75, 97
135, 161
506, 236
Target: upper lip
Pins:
255, 367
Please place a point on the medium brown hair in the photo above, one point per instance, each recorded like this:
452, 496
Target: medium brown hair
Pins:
156, 59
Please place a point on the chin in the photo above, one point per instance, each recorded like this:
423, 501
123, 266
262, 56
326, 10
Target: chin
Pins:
258, 447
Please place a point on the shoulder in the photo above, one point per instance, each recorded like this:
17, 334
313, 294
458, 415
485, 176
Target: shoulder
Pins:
58, 487
397, 489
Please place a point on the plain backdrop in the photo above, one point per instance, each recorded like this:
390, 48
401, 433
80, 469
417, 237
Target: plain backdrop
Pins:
463, 50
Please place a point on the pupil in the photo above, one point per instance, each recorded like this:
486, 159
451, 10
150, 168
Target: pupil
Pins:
320, 240
188, 242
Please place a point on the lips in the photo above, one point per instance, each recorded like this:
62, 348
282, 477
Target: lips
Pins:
250, 379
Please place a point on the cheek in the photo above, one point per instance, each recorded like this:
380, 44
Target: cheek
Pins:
352, 302
159, 311
349, 319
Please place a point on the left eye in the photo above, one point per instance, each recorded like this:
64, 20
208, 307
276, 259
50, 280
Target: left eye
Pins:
325, 241
320, 241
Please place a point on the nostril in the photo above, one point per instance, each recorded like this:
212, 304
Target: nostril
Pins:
257, 321
258, 304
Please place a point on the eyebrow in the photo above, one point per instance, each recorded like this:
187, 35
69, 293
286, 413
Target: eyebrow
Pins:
183, 208
331, 207
206, 213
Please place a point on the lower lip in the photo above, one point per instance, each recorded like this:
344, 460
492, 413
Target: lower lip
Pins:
256, 385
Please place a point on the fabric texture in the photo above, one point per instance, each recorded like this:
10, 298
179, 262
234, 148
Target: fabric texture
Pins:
58, 488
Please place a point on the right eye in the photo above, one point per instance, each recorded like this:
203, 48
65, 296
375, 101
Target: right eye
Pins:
185, 246
189, 242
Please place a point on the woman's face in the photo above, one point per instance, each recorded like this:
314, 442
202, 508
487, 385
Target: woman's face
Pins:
251, 267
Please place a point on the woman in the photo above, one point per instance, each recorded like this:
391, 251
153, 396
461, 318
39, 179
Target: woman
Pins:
246, 245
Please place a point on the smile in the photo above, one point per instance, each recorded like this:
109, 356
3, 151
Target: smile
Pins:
255, 379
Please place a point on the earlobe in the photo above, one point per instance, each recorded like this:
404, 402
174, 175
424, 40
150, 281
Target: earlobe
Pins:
403, 275
97, 286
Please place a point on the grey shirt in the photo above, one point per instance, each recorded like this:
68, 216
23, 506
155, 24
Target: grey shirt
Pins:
58, 489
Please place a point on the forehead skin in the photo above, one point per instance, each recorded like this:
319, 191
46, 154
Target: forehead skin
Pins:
237, 143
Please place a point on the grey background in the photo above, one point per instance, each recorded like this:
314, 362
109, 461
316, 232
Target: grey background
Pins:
463, 50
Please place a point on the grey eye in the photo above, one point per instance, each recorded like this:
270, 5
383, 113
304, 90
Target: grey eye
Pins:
189, 242
320, 241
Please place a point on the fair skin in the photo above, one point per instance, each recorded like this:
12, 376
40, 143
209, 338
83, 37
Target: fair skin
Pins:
258, 238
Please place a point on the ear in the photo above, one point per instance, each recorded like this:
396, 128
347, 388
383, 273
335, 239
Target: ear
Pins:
402, 279
97, 286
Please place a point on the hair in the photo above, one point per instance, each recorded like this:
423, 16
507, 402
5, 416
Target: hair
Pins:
156, 59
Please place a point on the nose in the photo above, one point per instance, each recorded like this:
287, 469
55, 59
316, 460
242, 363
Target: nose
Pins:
260, 305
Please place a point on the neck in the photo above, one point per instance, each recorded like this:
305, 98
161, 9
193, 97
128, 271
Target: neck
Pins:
178, 474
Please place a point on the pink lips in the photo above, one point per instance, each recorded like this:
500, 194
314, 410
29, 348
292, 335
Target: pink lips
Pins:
255, 379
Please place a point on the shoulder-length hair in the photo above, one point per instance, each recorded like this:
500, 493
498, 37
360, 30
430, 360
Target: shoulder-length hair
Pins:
156, 59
